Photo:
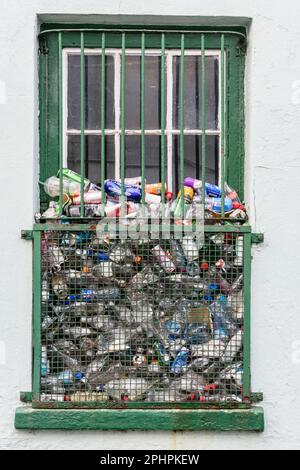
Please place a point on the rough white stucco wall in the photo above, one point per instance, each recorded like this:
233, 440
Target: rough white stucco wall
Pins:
273, 190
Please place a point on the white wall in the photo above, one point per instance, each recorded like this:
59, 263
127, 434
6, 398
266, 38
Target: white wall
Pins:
273, 191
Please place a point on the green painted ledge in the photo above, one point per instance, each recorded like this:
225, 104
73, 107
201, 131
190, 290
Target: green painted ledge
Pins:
163, 420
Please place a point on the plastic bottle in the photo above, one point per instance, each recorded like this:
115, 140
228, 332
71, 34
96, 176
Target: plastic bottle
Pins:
71, 175
52, 187
188, 198
155, 188
91, 197
215, 204
224, 327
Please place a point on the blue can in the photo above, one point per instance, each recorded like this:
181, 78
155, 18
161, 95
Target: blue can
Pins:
113, 190
212, 190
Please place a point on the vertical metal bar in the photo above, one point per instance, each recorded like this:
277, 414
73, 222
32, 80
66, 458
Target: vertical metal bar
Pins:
203, 113
60, 123
223, 130
143, 115
103, 111
82, 121
117, 92
123, 118
247, 316
163, 119
170, 119
181, 105
37, 281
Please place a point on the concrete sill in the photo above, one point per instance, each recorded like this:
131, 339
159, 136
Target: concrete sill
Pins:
163, 420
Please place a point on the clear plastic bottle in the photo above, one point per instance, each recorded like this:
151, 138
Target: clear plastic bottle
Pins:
52, 187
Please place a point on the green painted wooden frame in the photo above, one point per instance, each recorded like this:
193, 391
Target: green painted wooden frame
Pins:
51, 37
162, 420
152, 416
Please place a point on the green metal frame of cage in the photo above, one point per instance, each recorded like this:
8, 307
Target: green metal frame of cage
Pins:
231, 44
40, 229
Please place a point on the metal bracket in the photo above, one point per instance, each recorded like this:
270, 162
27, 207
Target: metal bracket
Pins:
257, 238
241, 49
26, 397
257, 397
27, 235
43, 48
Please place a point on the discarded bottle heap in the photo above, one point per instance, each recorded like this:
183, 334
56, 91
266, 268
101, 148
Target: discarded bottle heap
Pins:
155, 202
142, 320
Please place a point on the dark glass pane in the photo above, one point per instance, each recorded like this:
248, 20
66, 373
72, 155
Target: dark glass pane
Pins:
193, 158
192, 92
152, 158
93, 153
92, 92
152, 92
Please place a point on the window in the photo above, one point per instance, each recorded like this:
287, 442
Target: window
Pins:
148, 323
62, 129
153, 99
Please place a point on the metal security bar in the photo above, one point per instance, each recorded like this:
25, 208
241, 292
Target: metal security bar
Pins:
147, 42
141, 322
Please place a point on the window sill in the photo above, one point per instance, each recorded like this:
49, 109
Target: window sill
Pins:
163, 420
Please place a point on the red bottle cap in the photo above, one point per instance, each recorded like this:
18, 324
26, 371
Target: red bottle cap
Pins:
228, 237
169, 196
192, 397
210, 388
204, 266
238, 205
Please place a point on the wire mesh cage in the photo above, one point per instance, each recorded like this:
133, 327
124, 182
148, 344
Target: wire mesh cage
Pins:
141, 321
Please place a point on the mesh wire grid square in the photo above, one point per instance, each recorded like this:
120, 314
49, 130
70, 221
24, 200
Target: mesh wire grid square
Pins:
146, 321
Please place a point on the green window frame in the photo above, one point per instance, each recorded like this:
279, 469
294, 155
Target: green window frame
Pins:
53, 38
49, 69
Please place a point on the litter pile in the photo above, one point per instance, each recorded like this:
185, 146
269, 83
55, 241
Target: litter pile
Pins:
138, 203
141, 320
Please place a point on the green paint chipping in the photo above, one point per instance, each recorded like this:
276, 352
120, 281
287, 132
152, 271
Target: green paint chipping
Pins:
161, 420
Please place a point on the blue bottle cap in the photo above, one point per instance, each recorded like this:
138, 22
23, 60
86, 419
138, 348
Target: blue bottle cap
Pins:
208, 298
79, 375
213, 286
102, 256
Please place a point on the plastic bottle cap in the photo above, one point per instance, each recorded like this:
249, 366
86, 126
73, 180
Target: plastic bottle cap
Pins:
204, 266
237, 205
169, 196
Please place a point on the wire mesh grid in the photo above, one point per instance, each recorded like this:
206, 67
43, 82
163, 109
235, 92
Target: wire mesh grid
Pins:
147, 321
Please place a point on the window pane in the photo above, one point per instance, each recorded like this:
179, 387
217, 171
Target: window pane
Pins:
93, 153
92, 92
192, 92
193, 156
152, 158
152, 92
